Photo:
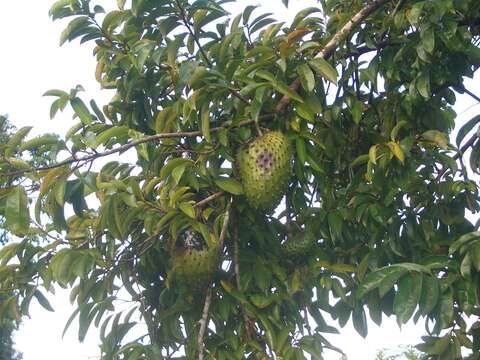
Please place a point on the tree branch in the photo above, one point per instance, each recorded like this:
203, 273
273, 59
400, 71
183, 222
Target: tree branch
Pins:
208, 298
208, 199
236, 259
330, 47
146, 139
200, 48
472, 95
226, 219
203, 324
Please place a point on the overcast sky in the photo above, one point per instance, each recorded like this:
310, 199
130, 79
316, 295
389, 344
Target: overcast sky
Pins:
31, 63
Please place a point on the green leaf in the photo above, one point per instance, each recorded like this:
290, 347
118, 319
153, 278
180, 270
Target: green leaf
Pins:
16, 139
324, 69
57, 93
261, 301
306, 77
437, 137
430, 294
462, 241
466, 128
301, 149
302, 15
407, 297
285, 90
187, 209
104, 136
81, 110
16, 211
231, 186
360, 321
205, 120
423, 85
396, 150
32, 144
394, 133
428, 39
374, 279
77, 27
43, 300
474, 252
172, 164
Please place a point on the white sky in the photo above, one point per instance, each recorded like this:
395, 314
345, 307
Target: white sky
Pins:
31, 63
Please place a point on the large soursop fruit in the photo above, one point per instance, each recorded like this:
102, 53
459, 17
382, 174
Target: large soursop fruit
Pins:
265, 166
299, 246
194, 263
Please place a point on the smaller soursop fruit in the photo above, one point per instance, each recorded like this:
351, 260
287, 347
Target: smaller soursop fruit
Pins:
299, 246
194, 265
265, 167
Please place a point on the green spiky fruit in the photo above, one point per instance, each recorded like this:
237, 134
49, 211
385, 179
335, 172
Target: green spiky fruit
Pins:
265, 167
299, 246
194, 268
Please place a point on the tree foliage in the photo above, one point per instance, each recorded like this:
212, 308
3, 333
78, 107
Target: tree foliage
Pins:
364, 92
7, 351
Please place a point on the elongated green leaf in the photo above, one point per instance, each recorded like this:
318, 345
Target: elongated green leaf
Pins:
187, 209
407, 297
39, 141
303, 14
230, 185
430, 294
437, 137
43, 300
306, 77
324, 69
463, 240
81, 110
375, 278
75, 28
172, 164
16, 139
205, 120
106, 135
466, 128
360, 321
16, 211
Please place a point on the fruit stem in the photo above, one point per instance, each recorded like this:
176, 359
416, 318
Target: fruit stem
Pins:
259, 130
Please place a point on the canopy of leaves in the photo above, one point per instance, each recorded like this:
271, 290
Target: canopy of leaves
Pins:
364, 92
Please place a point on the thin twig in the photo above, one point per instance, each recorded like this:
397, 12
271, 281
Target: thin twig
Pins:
146, 139
208, 298
208, 199
200, 48
226, 219
459, 154
236, 258
330, 47
471, 94
203, 324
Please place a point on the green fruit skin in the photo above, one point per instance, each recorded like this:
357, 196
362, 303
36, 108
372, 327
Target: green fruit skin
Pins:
299, 247
265, 179
194, 268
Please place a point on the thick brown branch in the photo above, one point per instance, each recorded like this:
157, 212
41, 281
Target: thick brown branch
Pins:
330, 47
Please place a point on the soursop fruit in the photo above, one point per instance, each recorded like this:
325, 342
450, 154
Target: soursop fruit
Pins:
194, 263
265, 167
299, 246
